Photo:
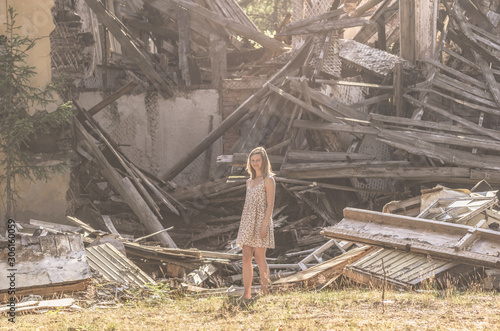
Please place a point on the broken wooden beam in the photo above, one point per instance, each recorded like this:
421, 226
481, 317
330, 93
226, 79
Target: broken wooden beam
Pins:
126, 40
125, 188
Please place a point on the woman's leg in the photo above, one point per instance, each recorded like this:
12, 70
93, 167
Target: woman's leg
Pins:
247, 271
260, 258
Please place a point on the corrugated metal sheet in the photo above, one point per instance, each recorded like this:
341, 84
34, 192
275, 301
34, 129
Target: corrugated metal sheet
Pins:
400, 266
114, 266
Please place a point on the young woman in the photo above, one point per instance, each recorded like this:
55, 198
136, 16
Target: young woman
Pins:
256, 232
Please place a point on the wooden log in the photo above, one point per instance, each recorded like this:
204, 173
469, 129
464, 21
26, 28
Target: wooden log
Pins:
127, 191
235, 116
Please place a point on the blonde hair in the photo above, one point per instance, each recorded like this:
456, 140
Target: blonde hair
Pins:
266, 164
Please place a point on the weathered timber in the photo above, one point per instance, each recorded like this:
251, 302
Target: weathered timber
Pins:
291, 167
448, 139
359, 11
489, 110
451, 156
315, 125
234, 26
112, 98
331, 103
367, 31
126, 40
218, 59
449, 174
328, 186
457, 74
421, 236
313, 156
184, 43
313, 110
235, 116
306, 21
322, 27
127, 191
458, 119
407, 33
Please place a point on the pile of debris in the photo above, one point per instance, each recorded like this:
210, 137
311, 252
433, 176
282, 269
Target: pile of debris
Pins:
345, 122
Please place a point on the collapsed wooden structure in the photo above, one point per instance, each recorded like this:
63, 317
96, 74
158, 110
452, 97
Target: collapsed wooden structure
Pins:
345, 122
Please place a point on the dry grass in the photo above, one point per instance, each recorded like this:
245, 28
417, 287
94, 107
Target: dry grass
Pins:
351, 309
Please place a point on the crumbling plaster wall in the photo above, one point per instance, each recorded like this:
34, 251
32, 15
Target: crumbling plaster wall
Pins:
155, 133
35, 21
40, 200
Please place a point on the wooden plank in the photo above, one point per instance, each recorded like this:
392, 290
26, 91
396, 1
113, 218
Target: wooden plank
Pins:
360, 10
419, 123
450, 174
331, 103
458, 119
482, 108
451, 156
310, 108
350, 128
124, 187
184, 43
457, 74
112, 98
328, 186
323, 27
291, 167
306, 21
460, 256
313, 156
126, 40
407, 38
234, 26
109, 224
218, 60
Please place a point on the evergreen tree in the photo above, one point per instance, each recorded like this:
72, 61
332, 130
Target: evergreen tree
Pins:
16, 124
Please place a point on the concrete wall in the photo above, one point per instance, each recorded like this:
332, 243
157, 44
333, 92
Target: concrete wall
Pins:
155, 132
38, 200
